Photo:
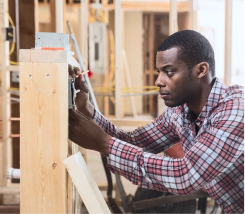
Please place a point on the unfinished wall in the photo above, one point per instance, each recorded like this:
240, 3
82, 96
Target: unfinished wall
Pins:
133, 40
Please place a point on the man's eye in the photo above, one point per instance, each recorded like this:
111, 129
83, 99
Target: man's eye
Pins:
169, 73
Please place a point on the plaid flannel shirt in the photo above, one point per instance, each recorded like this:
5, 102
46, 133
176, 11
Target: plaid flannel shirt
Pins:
214, 158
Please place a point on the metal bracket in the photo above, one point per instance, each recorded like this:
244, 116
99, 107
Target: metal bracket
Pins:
71, 93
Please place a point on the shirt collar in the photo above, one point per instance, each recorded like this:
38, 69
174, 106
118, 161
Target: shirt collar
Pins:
213, 99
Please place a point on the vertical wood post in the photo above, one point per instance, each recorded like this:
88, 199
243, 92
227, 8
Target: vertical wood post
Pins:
228, 41
118, 57
151, 58
173, 27
173, 17
44, 130
84, 31
59, 6
5, 79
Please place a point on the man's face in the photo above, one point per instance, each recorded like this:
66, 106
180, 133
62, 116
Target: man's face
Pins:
177, 85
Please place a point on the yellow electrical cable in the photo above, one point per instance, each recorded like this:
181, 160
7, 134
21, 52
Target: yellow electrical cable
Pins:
13, 43
10, 19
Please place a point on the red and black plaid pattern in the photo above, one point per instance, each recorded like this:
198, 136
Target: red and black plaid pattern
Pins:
214, 157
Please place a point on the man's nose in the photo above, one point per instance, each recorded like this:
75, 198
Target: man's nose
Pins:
160, 81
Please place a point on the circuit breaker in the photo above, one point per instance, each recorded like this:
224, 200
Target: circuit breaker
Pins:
97, 47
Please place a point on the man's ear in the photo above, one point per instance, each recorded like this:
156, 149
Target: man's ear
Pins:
202, 69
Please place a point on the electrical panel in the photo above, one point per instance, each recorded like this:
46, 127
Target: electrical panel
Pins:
97, 47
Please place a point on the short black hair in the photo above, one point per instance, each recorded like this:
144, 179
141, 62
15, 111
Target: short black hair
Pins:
193, 48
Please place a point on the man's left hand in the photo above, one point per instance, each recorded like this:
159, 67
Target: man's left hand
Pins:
87, 134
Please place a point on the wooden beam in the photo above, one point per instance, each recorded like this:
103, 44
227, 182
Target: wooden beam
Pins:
129, 83
86, 184
44, 131
52, 25
118, 57
151, 58
84, 31
153, 6
59, 5
191, 14
228, 41
173, 17
5, 79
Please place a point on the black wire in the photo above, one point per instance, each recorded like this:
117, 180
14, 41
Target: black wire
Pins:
112, 203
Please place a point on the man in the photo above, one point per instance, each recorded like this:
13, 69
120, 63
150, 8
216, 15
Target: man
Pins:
204, 115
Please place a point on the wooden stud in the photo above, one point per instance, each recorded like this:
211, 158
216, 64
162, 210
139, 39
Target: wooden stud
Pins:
118, 57
5, 79
44, 132
151, 58
59, 5
86, 184
173, 17
228, 41
52, 26
145, 50
129, 83
191, 14
84, 32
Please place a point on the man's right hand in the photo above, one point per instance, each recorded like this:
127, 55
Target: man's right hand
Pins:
82, 98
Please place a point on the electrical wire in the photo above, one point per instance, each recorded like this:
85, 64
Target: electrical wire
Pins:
13, 43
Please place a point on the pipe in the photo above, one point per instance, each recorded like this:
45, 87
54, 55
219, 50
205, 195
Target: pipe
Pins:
13, 173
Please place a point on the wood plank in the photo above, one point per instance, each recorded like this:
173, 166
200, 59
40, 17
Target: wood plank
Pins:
86, 184
5, 79
228, 41
151, 58
151, 6
52, 25
44, 134
48, 56
25, 55
129, 83
84, 31
10, 190
173, 17
118, 58
59, 19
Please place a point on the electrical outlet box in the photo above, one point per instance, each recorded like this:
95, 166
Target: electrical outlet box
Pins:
10, 34
15, 76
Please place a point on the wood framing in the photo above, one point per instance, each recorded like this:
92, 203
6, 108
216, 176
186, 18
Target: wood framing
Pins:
5, 83
118, 57
44, 130
228, 41
151, 58
86, 184
173, 17
149, 6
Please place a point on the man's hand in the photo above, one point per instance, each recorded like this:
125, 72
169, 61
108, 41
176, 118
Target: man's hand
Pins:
82, 98
87, 134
